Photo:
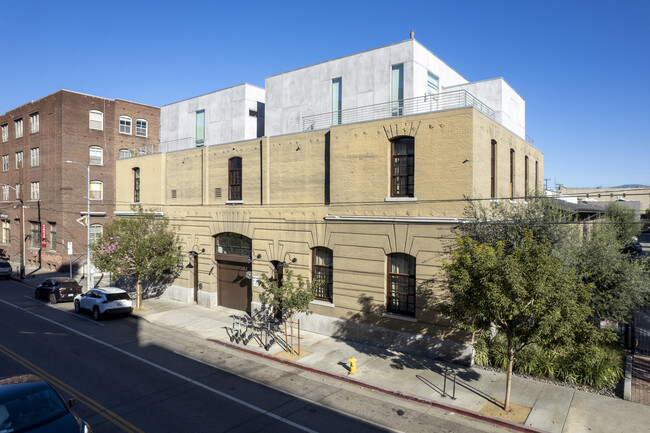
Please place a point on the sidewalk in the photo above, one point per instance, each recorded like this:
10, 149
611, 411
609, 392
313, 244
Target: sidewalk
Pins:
553, 408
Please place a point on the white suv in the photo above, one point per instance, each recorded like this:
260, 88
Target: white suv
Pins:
105, 300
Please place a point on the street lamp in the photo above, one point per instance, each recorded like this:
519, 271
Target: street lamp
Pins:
22, 229
90, 278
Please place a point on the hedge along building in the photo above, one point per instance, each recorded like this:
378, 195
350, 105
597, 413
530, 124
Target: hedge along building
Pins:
361, 197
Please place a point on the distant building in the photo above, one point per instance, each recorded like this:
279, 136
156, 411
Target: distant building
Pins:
36, 139
358, 182
637, 198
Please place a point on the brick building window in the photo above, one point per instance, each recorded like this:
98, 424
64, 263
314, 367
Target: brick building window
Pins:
6, 232
125, 125
5, 162
141, 127
18, 194
234, 179
401, 284
35, 234
34, 123
5, 133
96, 190
322, 270
403, 160
19, 127
5, 192
96, 231
35, 157
52, 236
123, 153
36, 191
96, 120
95, 155
19, 160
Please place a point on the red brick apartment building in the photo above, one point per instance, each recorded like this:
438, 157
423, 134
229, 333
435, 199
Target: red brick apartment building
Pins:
35, 141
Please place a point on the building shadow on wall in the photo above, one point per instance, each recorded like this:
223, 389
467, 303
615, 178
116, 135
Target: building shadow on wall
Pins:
150, 288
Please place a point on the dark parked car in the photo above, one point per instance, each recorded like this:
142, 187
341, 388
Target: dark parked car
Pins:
5, 269
27, 403
58, 289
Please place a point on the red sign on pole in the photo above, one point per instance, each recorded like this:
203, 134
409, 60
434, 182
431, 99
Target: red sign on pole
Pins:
43, 236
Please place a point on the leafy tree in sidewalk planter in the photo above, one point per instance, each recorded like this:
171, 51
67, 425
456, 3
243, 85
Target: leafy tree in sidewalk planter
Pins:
524, 291
143, 246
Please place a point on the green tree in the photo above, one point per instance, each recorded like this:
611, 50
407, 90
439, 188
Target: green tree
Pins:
143, 246
624, 222
523, 291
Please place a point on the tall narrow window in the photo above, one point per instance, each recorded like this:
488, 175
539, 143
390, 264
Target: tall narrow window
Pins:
512, 173
141, 127
397, 90
322, 267
5, 192
526, 176
6, 232
403, 158
125, 125
34, 123
19, 160
5, 162
96, 120
336, 101
5, 133
96, 190
96, 231
35, 234
493, 169
18, 193
52, 237
433, 88
19, 127
200, 128
36, 191
536, 175
136, 185
35, 157
234, 179
95, 155
401, 284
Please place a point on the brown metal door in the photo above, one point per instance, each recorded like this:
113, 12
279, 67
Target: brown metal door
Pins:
234, 288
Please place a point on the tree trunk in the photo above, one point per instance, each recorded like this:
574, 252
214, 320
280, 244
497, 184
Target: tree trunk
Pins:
138, 294
511, 359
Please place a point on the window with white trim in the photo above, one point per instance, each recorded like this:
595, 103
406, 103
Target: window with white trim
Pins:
96, 231
5, 192
35, 157
5, 133
124, 153
35, 234
5, 162
17, 189
19, 160
141, 127
95, 155
96, 120
125, 125
51, 241
6, 232
96, 190
36, 193
34, 123
19, 127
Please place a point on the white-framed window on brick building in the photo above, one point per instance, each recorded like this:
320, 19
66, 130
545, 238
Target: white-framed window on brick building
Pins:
51, 237
35, 157
17, 189
34, 121
401, 284
124, 153
6, 232
19, 127
5, 192
34, 234
5, 162
5, 133
95, 155
96, 120
96, 190
125, 125
36, 191
19, 160
96, 231
141, 127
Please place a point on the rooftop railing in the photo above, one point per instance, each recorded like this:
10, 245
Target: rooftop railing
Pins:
163, 147
403, 107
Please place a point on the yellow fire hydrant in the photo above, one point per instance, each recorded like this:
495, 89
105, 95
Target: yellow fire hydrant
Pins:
353, 365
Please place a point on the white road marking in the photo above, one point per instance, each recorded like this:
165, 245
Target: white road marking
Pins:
173, 373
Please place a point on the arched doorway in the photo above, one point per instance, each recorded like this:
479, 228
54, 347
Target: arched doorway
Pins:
233, 257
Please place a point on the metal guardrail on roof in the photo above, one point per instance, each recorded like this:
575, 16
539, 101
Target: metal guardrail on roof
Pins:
404, 107
162, 147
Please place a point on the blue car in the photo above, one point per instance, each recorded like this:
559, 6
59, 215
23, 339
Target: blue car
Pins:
27, 403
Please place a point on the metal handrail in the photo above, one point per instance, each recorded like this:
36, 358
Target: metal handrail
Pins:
404, 107
162, 147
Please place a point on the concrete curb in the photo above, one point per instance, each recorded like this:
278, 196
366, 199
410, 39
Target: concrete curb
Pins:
448, 407
627, 385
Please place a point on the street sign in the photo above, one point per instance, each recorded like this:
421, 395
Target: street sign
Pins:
69, 248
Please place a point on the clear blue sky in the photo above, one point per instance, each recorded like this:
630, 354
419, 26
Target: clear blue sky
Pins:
583, 67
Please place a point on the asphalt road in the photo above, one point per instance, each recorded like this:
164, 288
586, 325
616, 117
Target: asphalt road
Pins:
130, 375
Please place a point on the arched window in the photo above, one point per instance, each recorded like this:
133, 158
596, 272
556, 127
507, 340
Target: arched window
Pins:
322, 269
234, 179
125, 125
124, 153
96, 190
136, 185
401, 284
141, 127
96, 231
95, 155
96, 120
403, 161
233, 244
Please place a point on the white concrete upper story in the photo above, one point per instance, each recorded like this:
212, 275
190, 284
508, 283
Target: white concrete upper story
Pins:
224, 116
368, 78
